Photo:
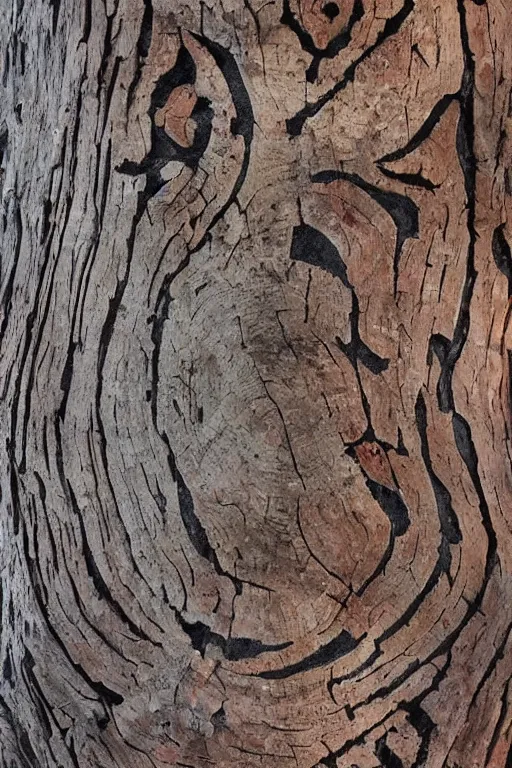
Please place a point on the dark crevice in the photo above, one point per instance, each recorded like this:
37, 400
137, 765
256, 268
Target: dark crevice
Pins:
164, 148
331, 10
42, 706
338, 647
9, 287
497, 656
423, 133
449, 523
295, 124
395, 510
36, 314
218, 719
311, 246
449, 351
502, 255
467, 451
442, 566
4, 142
337, 44
381, 566
99, 583
424, 727
194, 528
410, 179
402, 210
55, 5
107, 639
386, 690
391, 504
193, 525
146, 30
14, 487
65, 382
26, 752
86, 29
45, 225
6, 67
232, 648
331, 760
107, 696
106, 53
465, 141
143, 46
42, 497
498, 728
387, 758
243, 125
7, 675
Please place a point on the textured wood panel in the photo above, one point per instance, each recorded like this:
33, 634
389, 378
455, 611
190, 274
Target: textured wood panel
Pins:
254, 384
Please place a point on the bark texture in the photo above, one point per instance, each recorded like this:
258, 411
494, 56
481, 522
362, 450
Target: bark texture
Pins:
254, 384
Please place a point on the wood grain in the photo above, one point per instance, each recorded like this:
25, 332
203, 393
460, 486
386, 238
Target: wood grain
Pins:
255, 292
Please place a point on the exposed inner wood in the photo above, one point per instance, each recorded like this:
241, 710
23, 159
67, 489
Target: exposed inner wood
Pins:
255, 407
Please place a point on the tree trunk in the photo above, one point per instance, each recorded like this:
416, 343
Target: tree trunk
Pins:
254, 384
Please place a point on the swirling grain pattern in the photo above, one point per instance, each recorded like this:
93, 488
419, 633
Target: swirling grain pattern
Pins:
255, 286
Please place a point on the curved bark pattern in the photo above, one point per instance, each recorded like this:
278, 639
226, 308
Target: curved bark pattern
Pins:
256, 286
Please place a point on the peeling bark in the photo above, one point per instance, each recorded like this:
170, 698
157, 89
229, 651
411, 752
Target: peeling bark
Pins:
255, 347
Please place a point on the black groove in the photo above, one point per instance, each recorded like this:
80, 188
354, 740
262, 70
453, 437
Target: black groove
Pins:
403, 211
498, 728
87, 21
295, 124
9, 288
410, 179
233, 648
311, 246
334, 46
193, 525
502, 255
442, 566
391, 504
107, 696
55, 6
447, 517
163, 148
194, 528
99, 583
395, 510
67, 375
243, 125
146, 30
381, 567
4, 141
424, 131
467, 451
338, 647
424, 727
387, 758
143, 46
450, 351
465, 142
26, 753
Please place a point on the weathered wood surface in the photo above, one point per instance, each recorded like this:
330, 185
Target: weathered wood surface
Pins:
254, 375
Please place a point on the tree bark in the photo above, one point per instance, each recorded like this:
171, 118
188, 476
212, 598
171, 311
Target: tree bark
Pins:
254, 384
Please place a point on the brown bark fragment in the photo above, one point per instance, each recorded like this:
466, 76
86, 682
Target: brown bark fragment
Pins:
255, 339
